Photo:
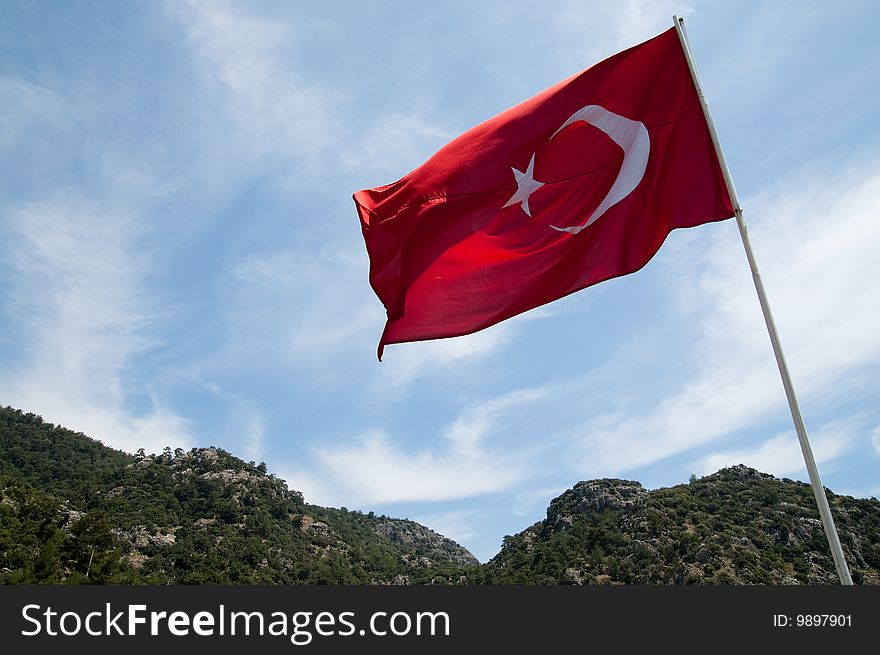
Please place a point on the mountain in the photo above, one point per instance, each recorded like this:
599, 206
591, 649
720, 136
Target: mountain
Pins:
737, 526
74, 511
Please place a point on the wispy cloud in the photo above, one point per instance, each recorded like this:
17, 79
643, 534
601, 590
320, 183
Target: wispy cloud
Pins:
82, 305
475, 424
79, 303
395, 144
373, 469
310, 308
24, 106
782, 454
278, 107
300, 307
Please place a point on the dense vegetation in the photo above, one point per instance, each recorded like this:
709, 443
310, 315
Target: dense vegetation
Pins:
75, 511
737, 526
72, 510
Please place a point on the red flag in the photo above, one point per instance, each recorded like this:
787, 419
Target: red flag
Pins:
577, 185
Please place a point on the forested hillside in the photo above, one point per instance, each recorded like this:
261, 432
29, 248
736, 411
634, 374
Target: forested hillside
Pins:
74, 511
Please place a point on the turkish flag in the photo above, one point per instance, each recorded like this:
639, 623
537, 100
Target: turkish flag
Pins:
577, 185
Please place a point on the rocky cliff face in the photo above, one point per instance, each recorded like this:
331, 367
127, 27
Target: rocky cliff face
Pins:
737, 526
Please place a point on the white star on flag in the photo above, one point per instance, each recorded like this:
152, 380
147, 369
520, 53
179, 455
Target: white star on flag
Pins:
526, 185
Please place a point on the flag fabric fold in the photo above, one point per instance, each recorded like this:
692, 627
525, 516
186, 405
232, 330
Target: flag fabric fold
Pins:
579, 184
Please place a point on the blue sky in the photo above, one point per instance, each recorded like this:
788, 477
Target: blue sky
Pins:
182, 262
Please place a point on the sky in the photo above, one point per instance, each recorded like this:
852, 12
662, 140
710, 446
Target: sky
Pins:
182, 264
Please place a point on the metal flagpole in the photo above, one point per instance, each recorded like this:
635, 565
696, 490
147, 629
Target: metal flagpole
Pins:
818, 489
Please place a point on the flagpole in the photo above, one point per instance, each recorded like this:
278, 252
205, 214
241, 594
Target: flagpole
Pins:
815, 480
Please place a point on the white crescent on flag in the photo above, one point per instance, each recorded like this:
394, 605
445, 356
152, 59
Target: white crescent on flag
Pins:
630, 135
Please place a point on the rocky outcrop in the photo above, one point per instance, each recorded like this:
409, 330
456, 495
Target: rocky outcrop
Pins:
593, 496
736, 526
431, 548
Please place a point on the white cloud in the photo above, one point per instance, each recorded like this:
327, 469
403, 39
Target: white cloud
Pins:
310, 308
302, 308
781, 455
80, 301
24, 105
374, 470
278, 110
699, 413
77, 301
474, 425
395, 144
